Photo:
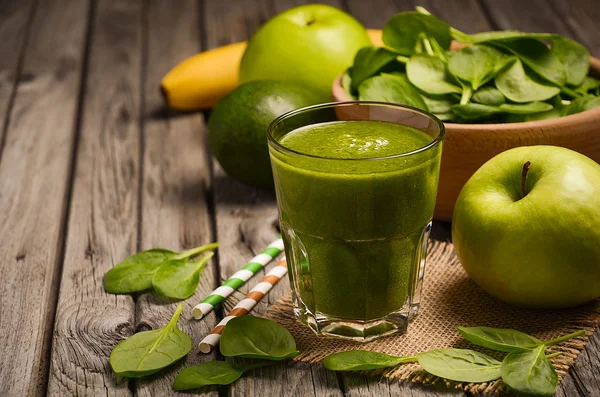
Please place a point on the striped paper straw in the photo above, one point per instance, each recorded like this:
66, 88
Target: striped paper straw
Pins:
246, 304
237, 279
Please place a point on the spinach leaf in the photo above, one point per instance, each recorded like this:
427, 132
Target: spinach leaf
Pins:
357, 360
488, 96
575, 58
255, 337
588, 84
429, 74
529, 372
525, 108
147, 352
390, 88
520, 87
445, 116
135, 273
439, 104
477, 64
461, 365
211, 373
474, 111
537, 56
502, 36
550, 114
401, 32
347, 83
179, 278
582, 104
368, 62
501, 339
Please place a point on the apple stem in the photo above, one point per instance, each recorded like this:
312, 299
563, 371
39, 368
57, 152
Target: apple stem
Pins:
524, 178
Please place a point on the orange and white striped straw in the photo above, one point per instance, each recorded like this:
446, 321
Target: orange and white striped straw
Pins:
246, 304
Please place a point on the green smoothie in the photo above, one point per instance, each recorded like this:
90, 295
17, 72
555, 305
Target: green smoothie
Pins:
353, 210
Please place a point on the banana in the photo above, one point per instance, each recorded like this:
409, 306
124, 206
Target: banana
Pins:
200, 81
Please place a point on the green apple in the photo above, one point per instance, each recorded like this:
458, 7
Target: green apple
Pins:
312, 43
533, 244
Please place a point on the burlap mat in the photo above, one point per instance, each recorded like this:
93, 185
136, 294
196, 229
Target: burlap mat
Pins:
450, 299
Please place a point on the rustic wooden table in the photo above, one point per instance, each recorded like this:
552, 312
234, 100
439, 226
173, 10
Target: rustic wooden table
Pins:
93, 168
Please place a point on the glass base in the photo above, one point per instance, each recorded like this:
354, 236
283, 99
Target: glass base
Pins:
355, 330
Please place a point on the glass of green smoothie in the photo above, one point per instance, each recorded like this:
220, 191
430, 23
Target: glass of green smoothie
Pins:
356, 184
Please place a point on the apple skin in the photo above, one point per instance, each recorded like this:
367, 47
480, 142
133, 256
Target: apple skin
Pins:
312, 44
540, 251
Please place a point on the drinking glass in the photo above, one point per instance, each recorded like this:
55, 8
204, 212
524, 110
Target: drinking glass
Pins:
356, 230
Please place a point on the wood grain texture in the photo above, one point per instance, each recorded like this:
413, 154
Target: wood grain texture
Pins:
15, 24
176, 181
581, 17
102, 228
246, 218
34, 175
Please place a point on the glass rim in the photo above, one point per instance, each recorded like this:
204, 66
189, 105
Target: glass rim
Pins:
437, 140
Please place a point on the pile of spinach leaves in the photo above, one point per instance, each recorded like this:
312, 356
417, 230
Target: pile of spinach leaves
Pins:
499, 76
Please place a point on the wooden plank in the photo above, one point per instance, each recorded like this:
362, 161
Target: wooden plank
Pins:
34, 175
176, 180
537, 16
465, 15
246, 217
15, 24
103, 220
581, 16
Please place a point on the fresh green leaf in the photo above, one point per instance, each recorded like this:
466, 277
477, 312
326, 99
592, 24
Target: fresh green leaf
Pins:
179, 278
501, 339
438, 50
575, 58
539, 58
457, 34
488, 96
588, 84
503, 36
461, 365
550, 114
347, 83
529, 372
476, 64
135, 273
368, 62
390, 88
517, 86
429, 74
401, 32
212, 373
582, 104
255, 337
445, 116
525, 108
358, 360
439, 104
147, 352
473, 111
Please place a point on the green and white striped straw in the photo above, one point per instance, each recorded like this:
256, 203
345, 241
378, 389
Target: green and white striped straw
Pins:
237, 279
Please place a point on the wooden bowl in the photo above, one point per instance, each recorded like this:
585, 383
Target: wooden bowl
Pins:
468, 146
